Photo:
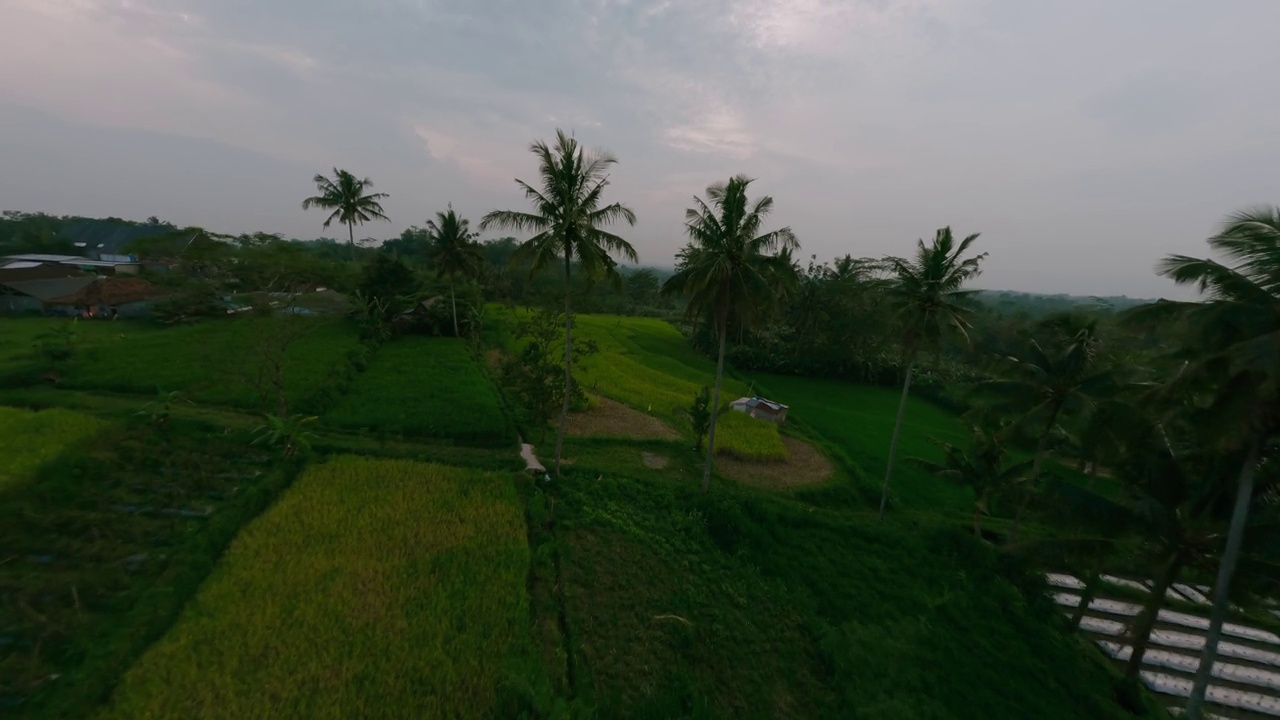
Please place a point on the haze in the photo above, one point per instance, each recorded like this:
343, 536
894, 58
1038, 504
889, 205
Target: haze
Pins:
1085, 139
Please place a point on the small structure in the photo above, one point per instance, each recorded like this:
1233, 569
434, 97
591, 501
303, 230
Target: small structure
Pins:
115, 265
111, 297
760, 408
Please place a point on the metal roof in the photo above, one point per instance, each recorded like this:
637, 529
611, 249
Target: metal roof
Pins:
46, 290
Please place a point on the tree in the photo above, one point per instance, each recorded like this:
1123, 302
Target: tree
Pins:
731, 271
927, 294
699, 416
982, 468
454, 252
346, 196
532, 375
1233, 354
568, 222
1047, 384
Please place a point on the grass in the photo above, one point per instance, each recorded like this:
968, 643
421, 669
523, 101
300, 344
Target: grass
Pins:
373, 589
425, 387
103, 547
746, 606
29, 440
648, 365
859, 420
215, 362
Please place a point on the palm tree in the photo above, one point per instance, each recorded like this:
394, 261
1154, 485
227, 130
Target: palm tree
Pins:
346, 196
731, 271
1045, 386
454, 252
1234, 361
981, 469
567, 221
927, 294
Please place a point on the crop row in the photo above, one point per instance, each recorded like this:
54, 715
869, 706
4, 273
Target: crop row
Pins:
373, 588
425, 387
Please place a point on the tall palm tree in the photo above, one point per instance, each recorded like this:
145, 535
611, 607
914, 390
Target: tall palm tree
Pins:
1235, 360
346, 196
454, 252
981, 468
568, 222
731, 271
1047, 385
927, 293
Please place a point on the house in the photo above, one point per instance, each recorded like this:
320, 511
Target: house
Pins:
110, 297
116, 265
758, 407
28, 286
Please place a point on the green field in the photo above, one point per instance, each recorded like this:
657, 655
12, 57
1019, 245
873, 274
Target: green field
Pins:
29, 440
373, 589
859, 420
215, 362
649, 365
425, 387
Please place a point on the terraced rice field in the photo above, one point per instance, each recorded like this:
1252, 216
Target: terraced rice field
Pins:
30, 439
372, 589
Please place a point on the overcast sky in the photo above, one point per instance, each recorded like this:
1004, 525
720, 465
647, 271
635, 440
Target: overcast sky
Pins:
1083, 139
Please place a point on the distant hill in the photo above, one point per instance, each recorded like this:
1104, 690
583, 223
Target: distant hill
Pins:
72, 235
1009, 302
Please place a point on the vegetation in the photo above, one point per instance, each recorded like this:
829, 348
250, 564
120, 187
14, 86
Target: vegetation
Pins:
346, 196
425, 616
426, 388
568, 222
29, 440
454, 253
729, 271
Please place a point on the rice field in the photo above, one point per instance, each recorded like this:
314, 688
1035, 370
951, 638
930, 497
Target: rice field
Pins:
372, 589
647, 364
425, 387
29, 439
214, 362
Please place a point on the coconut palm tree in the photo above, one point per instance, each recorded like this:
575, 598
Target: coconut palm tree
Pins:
928, 296
1234, 363
982, 468
568, 222
1046, 385
349, 200
731, 271
454, 252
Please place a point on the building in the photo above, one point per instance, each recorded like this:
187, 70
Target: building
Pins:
760, 408
114, 265
28, 286
110, 297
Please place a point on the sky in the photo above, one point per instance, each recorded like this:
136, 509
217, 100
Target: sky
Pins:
1085, 140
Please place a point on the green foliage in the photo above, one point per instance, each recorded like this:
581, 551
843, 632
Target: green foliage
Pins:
159, 411
389, 283
535, 374
287, 433
106, 546
426, 617
29, 440
345, 195
195, 301
57, 345
426, 388
982, 469
699, 416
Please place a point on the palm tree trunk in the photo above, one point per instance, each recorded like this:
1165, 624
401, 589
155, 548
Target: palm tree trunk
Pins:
715, 410
351, 238
1146, 619
1091, 584
568, 358
897, 429
453, 301
977, 521
1222, 591
1035, 474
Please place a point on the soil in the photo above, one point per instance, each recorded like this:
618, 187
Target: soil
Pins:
654, 461
610, 418
804, 465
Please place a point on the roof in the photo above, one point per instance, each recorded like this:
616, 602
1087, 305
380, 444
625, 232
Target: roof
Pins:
69, 260
110, 291
37, 257
23, 270
46, 290
759, 402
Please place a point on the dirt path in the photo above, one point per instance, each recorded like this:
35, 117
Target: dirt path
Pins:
610, 418
805, 465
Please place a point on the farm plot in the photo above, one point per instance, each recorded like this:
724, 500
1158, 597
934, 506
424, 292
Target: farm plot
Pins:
30, 439
425, 387
373, 589
102, 548
645, 363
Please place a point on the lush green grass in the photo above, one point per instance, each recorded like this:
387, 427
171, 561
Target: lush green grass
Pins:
216, 362
745, 606
29, 440
647, 364
425, 387
859, 420
373, 589
103, 547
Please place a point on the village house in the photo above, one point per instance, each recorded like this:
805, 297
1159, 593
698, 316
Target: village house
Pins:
760, 408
